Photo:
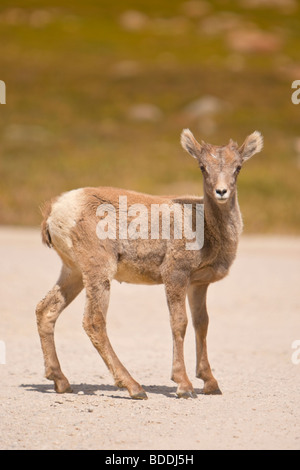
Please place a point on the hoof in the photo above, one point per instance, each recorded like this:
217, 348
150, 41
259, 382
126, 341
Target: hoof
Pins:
216, 391
63, 389
139, 396
188, 394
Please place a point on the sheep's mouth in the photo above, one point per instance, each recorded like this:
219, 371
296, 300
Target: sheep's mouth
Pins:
221, 199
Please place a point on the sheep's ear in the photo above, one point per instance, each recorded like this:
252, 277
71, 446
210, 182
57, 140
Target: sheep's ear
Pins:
232, 144
253, 144
190, 144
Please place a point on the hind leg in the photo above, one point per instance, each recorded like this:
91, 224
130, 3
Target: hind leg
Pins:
94, 323
48, 310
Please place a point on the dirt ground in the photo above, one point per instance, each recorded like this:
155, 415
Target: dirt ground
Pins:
254, 319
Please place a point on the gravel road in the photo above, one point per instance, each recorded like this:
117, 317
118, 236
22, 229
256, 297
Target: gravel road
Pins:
254, 319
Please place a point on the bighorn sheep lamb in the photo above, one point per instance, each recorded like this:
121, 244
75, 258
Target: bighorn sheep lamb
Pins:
91, 260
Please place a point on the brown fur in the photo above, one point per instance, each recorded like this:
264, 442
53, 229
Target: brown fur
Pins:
69, 225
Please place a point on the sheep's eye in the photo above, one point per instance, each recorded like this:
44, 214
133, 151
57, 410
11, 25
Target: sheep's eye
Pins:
202, 168
238, 169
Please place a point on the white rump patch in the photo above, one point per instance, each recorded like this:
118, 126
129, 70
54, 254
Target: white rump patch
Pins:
63, 218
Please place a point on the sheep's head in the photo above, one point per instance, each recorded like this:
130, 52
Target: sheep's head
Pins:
220, 165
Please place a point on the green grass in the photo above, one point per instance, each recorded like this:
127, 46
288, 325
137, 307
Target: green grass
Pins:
66, 124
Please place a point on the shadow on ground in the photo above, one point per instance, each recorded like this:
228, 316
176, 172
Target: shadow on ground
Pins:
92, 389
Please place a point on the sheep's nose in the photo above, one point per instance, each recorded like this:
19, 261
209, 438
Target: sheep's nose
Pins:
221, 192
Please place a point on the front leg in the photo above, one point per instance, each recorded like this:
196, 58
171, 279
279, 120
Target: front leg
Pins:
176, 295
197, 302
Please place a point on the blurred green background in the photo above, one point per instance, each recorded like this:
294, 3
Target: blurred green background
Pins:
99, 91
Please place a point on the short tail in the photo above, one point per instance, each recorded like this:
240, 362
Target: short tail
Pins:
46, 237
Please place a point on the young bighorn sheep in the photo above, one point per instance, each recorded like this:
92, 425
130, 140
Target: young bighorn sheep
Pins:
70, 226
